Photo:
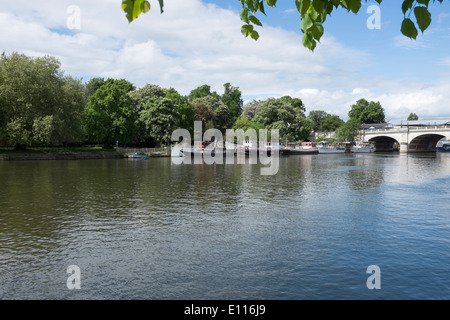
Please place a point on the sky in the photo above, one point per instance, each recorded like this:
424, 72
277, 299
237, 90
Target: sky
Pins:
198, 42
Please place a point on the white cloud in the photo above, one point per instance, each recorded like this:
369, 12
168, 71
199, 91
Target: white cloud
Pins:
193, 43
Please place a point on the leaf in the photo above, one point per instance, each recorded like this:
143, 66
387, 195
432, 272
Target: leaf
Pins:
133, 8
409, 29
246, 30
271, 3
161, 5
317, 31
308, 41
255, 21
425, 2
307, 23
423, 17
254, 35
145, 7
406, 5
244, 15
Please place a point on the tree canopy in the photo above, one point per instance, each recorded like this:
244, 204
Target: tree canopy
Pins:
413, 117
367, 112
38, 104
313, 14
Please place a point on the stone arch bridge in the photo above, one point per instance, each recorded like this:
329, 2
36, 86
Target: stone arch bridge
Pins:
407, 138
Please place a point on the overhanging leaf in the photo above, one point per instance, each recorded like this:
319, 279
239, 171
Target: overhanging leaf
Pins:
423, 17
409, 29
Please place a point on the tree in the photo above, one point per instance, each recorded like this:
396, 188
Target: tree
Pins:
245, 124
185, 110
249, 109
93, 85
348, 130
38, 105
317, 117
160, 118
331, 123
202, 91
204, 114
69, 116
110, 115
313, 14
212, 101
140, 97
224, 119
289, 119
367, 112
232, 98
413, 117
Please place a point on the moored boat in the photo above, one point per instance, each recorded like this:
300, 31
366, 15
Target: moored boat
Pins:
365, 147
137, 155
443, 146
326, 148
303, 148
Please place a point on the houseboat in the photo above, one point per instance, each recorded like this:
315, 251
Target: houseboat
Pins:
327, 148
303, 148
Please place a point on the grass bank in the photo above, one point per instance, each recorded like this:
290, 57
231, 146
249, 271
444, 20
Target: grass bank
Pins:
60, 153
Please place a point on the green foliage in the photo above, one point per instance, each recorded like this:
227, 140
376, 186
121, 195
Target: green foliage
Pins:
201, 92
331, 123
232, 98
317, 117
185, 110
245, 123
93, 85
38, 105
160, 118
348, 130
323, 122
413, 117
203, 113
367, 112
313, 14
213, 102
110, 114
286, 115
249, 109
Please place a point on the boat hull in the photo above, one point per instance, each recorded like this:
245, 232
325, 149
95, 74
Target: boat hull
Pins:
297, 152
330, 150
363, 150
443, 146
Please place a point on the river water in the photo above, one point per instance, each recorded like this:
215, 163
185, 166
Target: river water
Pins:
150, 229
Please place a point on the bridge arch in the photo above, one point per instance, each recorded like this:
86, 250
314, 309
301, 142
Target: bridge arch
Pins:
385, 143
424, 142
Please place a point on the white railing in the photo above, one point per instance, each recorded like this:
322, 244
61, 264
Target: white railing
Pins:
406, 129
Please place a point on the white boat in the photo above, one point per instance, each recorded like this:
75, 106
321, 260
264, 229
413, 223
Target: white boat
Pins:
326, 148
365, 147
443, 146
303, 148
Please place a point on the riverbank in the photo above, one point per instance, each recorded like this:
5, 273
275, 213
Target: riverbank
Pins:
59, 154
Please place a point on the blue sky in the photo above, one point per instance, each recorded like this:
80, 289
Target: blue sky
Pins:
198, 42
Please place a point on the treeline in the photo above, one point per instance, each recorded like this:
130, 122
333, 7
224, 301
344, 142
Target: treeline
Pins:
40, 106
